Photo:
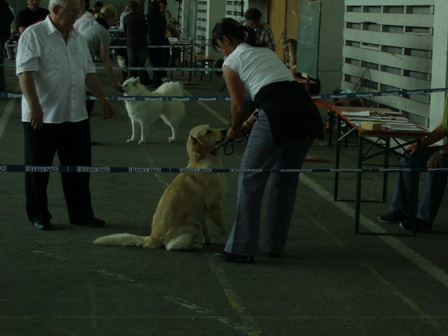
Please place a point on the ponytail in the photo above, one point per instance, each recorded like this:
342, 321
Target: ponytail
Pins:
102, 20
106, 12
250, 36
234, 31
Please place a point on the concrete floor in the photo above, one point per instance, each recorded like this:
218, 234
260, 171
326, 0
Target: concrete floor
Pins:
330, 281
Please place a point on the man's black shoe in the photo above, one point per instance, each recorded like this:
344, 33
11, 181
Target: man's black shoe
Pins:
394, 217
420, 225
44, 225
235, 258
90, 222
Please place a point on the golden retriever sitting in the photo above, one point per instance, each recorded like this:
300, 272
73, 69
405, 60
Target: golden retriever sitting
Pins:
182, 212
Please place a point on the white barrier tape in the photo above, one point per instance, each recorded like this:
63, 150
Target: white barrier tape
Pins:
84, 169
227, 98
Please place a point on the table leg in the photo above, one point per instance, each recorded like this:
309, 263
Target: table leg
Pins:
190, 73
415, 177
338, 154
386, 165
358, 185
329, 126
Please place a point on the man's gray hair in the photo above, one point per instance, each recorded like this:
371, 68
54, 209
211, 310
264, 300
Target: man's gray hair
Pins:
53, 3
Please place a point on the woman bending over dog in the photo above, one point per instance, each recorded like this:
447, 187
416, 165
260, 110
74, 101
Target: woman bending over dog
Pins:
282, 132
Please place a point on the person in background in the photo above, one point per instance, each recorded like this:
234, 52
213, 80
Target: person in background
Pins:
134, 25
290, 52
97, 7
10, 50
98, 40
175, 53
170, 20
424, 156
125, 12
263, 33
159, 57
30, 15
54, 69
86, 14
282, 132
120, 53
6, 18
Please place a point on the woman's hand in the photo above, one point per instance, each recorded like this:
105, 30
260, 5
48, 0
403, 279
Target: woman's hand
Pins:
234, 133
118, 87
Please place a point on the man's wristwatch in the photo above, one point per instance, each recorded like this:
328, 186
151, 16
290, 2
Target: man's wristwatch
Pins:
441, 152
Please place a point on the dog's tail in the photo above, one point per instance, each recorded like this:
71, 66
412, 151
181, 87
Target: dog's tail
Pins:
122, 239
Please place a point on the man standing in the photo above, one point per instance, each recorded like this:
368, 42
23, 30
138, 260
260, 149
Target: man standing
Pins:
429, 156
264, 35
55, 69
6, 18
30, 15
134, 25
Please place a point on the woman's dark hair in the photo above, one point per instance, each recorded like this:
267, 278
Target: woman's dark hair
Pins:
233, 30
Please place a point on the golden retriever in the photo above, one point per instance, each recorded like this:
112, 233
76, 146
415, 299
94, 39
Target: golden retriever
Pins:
192, 197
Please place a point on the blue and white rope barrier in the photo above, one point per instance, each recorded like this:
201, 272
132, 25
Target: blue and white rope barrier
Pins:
227, 98
105, 169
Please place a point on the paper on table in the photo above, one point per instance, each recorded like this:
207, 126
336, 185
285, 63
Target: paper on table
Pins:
394, 119
364, 119
358, 113
402, 127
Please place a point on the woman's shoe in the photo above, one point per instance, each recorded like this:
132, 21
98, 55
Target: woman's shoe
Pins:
235, 258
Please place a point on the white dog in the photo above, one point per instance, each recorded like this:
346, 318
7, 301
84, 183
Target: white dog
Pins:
180, 219
143, 113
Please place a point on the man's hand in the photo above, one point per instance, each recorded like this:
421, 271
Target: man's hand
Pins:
37, 119
109, 111
435, 161
410, 150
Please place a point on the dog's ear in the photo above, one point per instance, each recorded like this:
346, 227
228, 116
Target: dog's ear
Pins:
137, 81
195, 141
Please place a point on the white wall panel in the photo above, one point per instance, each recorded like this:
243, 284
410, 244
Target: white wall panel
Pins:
393, 43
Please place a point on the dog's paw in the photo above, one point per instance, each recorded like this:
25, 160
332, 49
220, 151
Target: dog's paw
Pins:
171, 139
131, 141
142, 142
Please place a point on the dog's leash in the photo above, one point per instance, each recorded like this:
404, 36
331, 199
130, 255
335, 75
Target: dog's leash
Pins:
229, 147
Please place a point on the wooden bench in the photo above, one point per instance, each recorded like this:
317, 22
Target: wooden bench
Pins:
203, 62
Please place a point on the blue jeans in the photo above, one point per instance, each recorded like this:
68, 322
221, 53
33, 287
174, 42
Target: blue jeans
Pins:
262, 152
434, 189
